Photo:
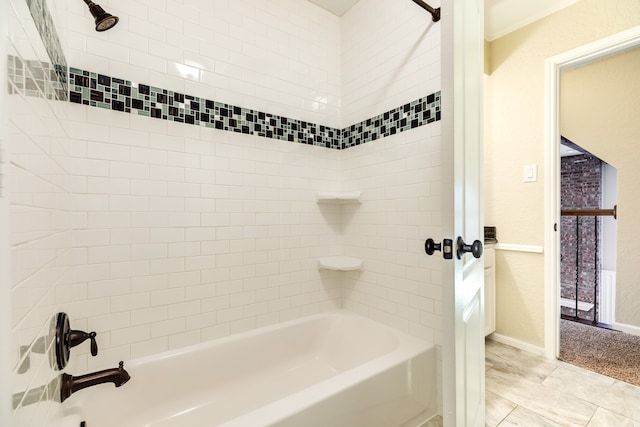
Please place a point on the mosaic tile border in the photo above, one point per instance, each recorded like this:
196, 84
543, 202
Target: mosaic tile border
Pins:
112, 93
34, 78
412, 115
47, 30
98, 90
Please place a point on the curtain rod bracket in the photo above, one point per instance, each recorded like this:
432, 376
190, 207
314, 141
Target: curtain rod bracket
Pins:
435, 13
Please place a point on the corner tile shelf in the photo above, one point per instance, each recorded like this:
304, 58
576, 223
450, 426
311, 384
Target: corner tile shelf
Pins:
340, 263
339, 197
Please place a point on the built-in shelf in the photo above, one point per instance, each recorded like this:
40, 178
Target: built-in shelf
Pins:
340, 263
339, 197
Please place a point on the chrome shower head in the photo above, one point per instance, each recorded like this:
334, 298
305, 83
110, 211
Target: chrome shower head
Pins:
104, 20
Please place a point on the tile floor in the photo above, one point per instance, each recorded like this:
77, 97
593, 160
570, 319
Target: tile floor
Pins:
527, 390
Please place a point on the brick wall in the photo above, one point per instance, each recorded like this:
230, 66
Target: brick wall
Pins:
581, 189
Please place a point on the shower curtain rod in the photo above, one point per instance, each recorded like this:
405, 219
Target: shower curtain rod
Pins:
435, 13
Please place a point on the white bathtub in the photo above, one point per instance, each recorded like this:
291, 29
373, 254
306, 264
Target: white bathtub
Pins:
335, 369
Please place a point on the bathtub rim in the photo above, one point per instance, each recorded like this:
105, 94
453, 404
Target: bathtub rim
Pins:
403, 337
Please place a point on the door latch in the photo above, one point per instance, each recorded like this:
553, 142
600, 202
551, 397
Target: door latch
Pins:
430, 246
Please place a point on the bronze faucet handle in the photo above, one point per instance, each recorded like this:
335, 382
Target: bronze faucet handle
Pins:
66, 338
78, 337
94, 344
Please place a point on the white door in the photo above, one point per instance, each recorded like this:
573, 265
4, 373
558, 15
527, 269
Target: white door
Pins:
463, 279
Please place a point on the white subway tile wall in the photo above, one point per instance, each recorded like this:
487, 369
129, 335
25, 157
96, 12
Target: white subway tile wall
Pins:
399, 177
203, 236
5, 249
390, 56
40, 201
159, 235
278, 56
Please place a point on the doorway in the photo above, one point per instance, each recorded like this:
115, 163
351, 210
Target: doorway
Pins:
588, 229
554, 66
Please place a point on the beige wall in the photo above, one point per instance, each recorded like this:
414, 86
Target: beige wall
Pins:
515, 137
600, 104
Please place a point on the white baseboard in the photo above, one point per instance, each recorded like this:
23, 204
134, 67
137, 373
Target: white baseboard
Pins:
607, 296
503, 339
627, 329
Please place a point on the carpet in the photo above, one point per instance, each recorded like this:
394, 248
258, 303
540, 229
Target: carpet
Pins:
611, 353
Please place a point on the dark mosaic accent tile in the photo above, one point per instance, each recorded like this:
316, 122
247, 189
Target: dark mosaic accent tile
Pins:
137, 104
123, 95
409, 116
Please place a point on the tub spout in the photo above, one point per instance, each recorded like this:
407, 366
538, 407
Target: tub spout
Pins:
70, 384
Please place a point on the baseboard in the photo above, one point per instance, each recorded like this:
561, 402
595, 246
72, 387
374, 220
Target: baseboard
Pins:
627, 329
503, 339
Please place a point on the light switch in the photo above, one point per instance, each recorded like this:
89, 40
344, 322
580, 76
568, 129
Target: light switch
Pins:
530, 173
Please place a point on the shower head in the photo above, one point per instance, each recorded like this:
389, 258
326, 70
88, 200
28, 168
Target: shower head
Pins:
104, 20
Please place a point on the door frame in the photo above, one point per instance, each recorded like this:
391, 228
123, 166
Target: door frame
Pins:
554, 66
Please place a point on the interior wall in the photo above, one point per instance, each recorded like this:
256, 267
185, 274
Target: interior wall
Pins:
181, 239
186, 233
37, 189
159, 234
514, 135
399, 285
391, 55
282, 57
62, 237
610, 84
5, 276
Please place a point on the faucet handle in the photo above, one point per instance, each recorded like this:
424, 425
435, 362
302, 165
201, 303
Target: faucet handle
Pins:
67, 338
94, 344
78, 337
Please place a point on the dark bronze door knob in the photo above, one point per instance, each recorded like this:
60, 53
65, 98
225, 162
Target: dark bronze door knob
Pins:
475, 248
430, 246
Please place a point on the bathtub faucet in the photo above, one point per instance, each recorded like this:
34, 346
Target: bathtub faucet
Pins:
70, 384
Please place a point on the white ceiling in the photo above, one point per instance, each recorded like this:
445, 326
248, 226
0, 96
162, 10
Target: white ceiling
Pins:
504, 16
501, 16
337, 7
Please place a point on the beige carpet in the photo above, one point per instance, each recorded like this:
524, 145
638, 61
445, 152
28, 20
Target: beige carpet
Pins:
607, 352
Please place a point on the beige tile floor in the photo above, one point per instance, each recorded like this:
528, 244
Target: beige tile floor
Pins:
527, 390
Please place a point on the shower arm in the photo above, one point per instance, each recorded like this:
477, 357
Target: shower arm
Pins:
435, 13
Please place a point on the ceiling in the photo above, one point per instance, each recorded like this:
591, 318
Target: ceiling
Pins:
337, 7
504, 16
501, 16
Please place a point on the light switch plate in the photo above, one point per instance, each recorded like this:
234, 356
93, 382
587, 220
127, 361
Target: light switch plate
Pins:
530, 173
